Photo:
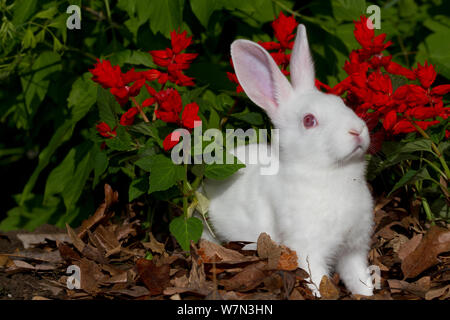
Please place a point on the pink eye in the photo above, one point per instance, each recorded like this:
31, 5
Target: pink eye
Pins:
309, 121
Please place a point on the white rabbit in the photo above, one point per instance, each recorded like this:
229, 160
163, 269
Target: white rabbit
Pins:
318, 203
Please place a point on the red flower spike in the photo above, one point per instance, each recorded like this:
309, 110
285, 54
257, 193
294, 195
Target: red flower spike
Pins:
283, 27
390, 120
441, 90
105, 130
106, 75
190, 117
136, 87
127, 119
174, 61
397, 69
179, 41
171, 140
425, 74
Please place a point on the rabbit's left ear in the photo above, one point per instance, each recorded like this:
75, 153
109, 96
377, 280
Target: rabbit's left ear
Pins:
302, 66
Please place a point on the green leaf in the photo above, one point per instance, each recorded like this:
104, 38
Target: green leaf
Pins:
254, 118
165, 16
214, 120
410, 177
28, 41
100, 165
73, 190
35, 83
82, 96
148, 129
164, 173
348, 10
122, 142
60, 176
138, 187
23, 9
417, 145
141, 58
204, 8
438, 48
186, 231
47, 14
222, 171
108, 107
62, 134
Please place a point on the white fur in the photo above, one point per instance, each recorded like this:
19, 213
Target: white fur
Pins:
319, 203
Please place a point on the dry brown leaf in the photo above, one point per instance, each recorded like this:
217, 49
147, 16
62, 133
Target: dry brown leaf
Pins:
90, 275
135, 291
210, 252
4, 259
119, 278
125, 230
30, 239
154, 245
288, 259
156, 278
250, 277
328, 289
409, 246
435, 242
268, 249
101, 213
105, 238
76, 241
67, 253
37, 255
279, 257
442, 292
400, 286
39, 298
296, 295
398, 241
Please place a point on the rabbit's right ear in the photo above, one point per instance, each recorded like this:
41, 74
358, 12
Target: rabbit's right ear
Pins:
259, 75
302, 66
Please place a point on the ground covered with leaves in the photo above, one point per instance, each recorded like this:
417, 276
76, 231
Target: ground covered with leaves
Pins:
118, 259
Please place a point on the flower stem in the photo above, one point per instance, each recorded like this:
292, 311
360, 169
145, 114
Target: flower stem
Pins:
140, 109
185, 188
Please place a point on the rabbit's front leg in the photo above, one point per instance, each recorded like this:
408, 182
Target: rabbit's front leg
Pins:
353, 269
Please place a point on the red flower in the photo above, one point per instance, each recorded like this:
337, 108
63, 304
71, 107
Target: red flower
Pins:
119, 83
190, 116
106, 75
283, 28
105, 130
366, 37
127, 119
233, 78
397, 69
174, 61
441, 90
170, 106
171, 140
179, 41
425, 74
390, 119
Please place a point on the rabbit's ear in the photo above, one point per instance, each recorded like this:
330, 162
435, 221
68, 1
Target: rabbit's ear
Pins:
302, 66
259, 75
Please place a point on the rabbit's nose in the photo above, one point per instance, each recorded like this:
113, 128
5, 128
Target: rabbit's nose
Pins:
354, 132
